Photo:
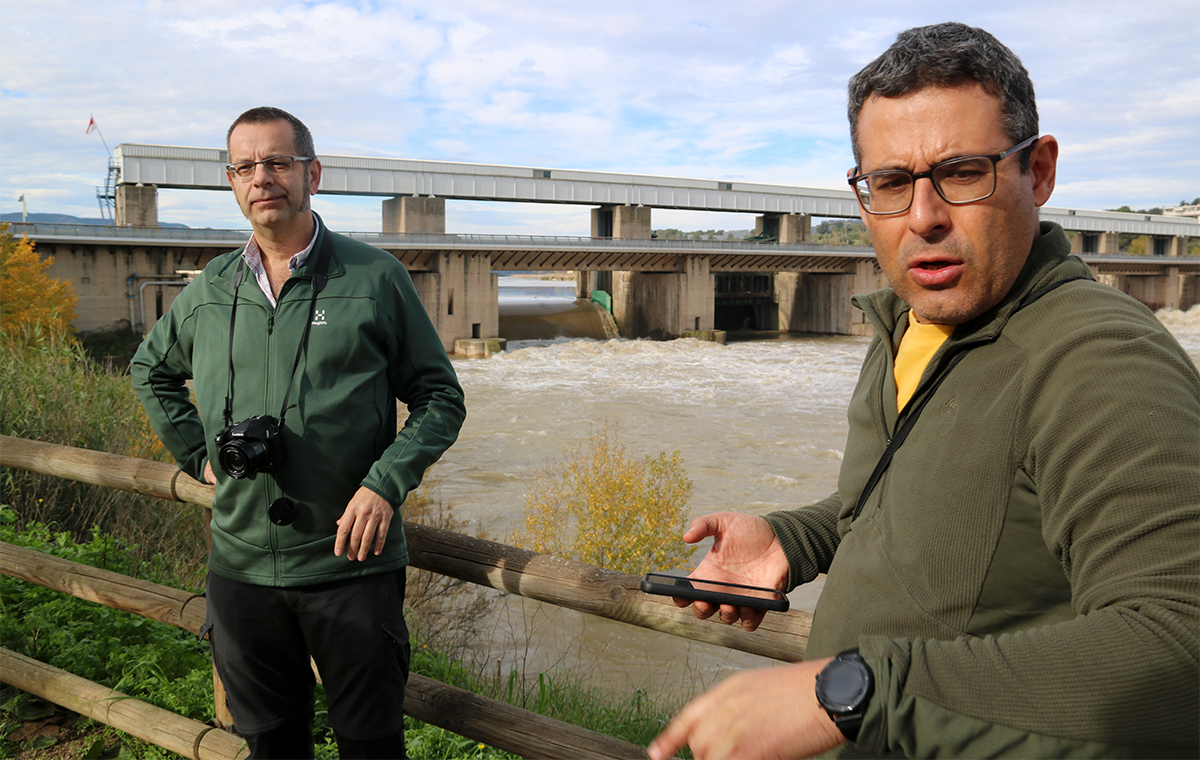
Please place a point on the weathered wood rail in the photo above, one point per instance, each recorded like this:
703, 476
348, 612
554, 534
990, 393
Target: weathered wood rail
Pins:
481, 718
566, 583
180, 735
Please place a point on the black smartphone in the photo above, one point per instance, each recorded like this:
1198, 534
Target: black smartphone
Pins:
716, 592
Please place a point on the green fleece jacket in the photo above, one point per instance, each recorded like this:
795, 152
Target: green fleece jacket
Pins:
370, 343
1023, 580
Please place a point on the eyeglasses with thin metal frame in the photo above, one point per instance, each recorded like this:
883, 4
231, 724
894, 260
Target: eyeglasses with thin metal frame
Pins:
959, 181
244, 170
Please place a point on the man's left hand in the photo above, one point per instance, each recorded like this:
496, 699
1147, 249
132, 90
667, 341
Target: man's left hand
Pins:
364, 522
771, 712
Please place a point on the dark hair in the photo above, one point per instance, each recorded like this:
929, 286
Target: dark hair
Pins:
265, 115
948, 55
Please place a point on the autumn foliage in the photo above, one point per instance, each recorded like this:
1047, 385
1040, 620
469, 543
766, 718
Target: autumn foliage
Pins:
605, 508
31, 302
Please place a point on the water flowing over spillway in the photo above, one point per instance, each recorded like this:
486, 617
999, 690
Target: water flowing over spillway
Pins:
536, 309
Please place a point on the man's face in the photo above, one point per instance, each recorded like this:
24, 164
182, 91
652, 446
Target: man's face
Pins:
276, 202
952, 263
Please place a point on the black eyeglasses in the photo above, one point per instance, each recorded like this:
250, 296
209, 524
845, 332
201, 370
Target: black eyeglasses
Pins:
244, 170
959, 181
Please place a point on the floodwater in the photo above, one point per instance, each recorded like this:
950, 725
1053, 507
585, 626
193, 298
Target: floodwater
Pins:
759, 424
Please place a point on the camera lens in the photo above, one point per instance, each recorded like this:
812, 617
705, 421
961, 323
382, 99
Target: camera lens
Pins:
241, 457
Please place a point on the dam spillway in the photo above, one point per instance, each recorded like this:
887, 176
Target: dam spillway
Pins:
537, 309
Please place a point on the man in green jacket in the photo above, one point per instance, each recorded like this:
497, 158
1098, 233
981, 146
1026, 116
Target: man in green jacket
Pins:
1012, 552
299, 346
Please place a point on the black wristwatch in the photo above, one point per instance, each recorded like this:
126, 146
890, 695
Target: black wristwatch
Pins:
844, 687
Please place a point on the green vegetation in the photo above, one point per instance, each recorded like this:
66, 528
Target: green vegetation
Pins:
841, 232
145, 659
52, 390
605, 508
170, 668
1156, 210
113, 347
827, 232
671, 233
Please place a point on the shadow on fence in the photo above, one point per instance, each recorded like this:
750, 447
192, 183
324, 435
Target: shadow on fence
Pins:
562, 582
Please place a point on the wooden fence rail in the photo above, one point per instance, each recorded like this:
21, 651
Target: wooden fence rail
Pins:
562, 582
483, 719
181, 735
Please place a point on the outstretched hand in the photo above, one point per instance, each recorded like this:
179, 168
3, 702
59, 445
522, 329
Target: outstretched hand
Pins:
746, 551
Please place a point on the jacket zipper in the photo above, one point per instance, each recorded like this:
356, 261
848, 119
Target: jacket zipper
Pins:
268, 384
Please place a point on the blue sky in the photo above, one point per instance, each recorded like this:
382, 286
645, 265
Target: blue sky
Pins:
751, 91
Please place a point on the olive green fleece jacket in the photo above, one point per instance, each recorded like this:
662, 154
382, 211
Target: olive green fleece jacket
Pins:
1023, 579
370, 343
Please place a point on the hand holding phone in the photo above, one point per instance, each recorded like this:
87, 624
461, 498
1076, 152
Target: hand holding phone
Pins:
716, 592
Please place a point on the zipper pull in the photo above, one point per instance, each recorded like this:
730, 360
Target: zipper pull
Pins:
270, 322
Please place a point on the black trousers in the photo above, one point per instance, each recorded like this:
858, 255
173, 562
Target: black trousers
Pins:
262, 637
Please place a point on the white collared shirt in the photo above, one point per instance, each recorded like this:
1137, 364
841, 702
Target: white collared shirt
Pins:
252, 255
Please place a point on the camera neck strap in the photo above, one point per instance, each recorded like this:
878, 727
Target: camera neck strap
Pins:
894, 444
318, 282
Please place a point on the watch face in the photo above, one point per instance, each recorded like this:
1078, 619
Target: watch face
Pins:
842, 685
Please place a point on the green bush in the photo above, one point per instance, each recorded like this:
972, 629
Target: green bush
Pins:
153, 661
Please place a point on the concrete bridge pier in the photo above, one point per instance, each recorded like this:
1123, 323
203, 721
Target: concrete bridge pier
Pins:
413, 213
137, 206
461, 294
786, 228
587, 281
622, 222
664, 305
1094, 242
1171, 289
820, 303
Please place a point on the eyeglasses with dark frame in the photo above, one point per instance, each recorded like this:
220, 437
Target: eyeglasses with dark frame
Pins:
244, 170
959, 181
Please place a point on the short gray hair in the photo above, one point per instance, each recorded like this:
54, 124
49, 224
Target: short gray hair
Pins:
265, 115
948, 55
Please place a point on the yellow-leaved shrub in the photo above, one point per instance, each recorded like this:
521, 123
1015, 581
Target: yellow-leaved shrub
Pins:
606, 508
31, 302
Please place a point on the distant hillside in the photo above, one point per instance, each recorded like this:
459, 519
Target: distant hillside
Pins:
68, 219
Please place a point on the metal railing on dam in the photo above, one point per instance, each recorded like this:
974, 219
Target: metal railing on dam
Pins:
184, 236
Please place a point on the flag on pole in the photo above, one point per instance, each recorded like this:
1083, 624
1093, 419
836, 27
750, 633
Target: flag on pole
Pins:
94, 127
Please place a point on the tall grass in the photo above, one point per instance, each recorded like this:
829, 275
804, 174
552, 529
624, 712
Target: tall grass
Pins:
50, 390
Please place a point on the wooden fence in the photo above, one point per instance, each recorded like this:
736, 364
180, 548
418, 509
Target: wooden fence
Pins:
562, 582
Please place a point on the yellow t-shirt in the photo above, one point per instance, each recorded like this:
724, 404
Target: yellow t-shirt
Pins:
917, 347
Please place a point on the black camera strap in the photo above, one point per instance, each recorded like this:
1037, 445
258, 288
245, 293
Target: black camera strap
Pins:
319, 280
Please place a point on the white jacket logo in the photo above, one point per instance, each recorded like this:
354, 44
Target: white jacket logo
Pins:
319, 317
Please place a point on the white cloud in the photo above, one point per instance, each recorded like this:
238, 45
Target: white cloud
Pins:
704, 89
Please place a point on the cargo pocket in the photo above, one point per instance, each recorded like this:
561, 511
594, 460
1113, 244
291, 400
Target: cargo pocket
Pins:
397, 634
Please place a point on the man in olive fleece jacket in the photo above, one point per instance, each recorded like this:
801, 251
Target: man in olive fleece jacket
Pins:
1022, 579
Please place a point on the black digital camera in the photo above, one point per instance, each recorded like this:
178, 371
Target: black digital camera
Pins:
250, 446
